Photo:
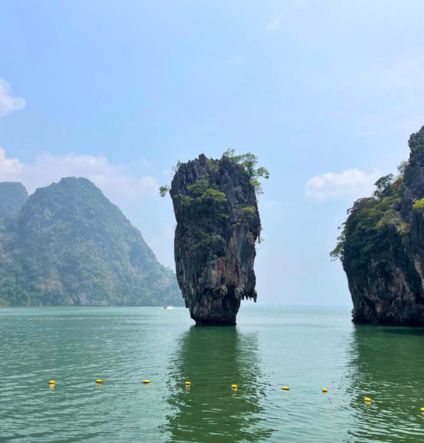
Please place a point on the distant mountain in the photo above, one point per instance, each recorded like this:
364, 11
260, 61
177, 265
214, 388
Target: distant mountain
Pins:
67, 244
13, 195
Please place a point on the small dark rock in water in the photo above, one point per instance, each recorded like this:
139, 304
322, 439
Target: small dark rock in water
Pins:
217, 226
382, 246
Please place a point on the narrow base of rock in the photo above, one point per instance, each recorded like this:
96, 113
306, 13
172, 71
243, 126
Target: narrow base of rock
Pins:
210, 311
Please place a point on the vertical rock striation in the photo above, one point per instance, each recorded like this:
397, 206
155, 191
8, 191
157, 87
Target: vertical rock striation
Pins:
382, 247
217, 226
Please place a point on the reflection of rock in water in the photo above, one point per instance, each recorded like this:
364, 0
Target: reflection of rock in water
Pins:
212, 359
387, 365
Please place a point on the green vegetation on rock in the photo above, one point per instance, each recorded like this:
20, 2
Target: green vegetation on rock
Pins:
381, 246
419, 205
248, 162
366, 228
218, 225
69, 245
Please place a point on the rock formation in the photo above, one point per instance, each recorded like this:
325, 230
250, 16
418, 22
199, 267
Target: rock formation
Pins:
217, 226
68, 245
382, 246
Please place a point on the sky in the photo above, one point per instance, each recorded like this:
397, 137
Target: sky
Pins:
325, 93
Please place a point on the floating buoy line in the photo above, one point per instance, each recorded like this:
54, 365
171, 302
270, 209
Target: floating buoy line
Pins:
234, 387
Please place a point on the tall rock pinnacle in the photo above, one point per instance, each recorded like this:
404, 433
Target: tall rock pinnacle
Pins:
217, 226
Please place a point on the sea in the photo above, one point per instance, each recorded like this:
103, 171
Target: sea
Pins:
190, 372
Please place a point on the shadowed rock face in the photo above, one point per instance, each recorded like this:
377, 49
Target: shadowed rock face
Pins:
217, 227
383, 254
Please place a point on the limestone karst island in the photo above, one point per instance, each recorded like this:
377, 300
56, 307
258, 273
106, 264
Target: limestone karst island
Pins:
217, 226
382, 246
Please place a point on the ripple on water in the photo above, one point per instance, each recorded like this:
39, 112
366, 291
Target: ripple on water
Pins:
305, 349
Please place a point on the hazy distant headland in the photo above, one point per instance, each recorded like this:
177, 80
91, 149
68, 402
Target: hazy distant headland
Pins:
66, 244
382, 246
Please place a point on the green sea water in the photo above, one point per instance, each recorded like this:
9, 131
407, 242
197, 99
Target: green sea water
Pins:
304, 348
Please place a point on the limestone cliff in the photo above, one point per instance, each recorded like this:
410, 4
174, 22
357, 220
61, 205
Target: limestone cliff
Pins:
382, 246
217, 226
67, 244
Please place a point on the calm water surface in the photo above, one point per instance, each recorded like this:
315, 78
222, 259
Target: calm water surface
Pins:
304, 348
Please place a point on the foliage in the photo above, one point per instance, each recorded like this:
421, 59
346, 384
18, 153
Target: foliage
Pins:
163, 190
369, 222
249, 210
249, 163
419, 204
70, 245
383, 185
205, 202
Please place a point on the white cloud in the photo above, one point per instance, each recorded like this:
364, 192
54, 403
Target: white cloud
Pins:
349, 184
274, 24
117, 184
8, 103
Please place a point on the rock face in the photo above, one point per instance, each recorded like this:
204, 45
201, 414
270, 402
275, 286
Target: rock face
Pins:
382, 247
68, 245
217, 226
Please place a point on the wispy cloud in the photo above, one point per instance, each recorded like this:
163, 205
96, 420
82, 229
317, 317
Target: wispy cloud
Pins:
8, 103
114, 180
348, 184
274, 24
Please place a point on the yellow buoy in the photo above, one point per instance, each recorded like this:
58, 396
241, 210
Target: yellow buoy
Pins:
422, 409
146, 381
367, 399
99, 381
187, 383
52, 382
285, 388
234, 387
324, 390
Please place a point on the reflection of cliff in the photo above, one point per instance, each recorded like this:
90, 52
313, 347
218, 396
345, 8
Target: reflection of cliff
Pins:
209, 411
386, 364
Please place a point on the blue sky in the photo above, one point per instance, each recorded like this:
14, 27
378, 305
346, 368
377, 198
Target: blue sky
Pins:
326, 94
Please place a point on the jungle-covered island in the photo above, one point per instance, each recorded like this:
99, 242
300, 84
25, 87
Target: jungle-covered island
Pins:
66, 244
381, 246
218, 225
